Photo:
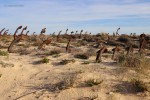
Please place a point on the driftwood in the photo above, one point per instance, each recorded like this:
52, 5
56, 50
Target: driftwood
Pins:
129, 50
45, 42
114, 34
80, 34
68, 49
27, 33
23, 30
2, 31
66, 31
15, 40
5, 32
43, 30
115, 51
58, 36
117, 31
42, 36
33, 34
99, 53
142, 42
72, 33
76, 32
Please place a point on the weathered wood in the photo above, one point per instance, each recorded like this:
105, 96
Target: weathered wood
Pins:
99, 53
68, 49
15, 40
115, 51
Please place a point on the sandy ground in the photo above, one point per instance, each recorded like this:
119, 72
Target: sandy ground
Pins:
25, 79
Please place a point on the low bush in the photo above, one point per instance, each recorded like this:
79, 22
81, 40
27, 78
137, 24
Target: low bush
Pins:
66, 83
45, 60
133, 61
91, 52
124, 39
54, 52
64, 62
82, 56
138, 86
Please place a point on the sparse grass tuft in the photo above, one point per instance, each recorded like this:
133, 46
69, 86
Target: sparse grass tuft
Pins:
45, 60
4, 65
86, 62
139, 86
54, 52
56, 56
54, 44
82, 43
66, 83
93, 82
64, 62
99, 61
107, 55
79, 72
136, 61
89, 98
3, 53
82, 56
91, 52
25, 52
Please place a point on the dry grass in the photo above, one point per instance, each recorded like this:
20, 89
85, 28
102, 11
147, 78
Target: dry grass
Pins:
124, 39
91, 52
135, 61
89, 98
82, 56
45, 60
138, 86
66, 83
54, 52
93, 82
64, 62
4, 65
133, 86
86, 62
3, 53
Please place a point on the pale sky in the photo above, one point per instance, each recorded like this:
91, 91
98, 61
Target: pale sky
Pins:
90, 15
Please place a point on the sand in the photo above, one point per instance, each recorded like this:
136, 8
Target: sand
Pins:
26, 79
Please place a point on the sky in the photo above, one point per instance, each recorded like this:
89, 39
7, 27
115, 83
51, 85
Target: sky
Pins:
95, 16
